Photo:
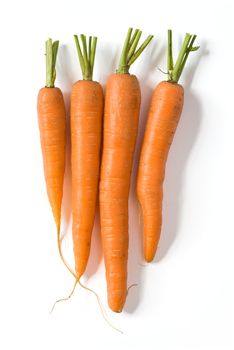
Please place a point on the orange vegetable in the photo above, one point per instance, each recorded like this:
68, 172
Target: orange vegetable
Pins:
122, 106
52, 125
164, 114
86, 132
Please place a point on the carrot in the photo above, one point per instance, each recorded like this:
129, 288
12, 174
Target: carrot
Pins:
163, 117
52, 126
86, 131
121, 113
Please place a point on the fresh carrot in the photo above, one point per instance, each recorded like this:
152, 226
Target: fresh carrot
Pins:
121, 113
164, 114
52, 126
86, 132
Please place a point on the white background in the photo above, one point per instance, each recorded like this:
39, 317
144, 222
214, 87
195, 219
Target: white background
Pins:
184, 300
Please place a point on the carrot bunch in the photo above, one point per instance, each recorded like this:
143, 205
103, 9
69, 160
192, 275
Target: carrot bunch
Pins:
164, 114
102, 151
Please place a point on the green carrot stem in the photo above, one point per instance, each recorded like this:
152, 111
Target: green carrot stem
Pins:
90, 47
123, 66
130, 53
170, 55
140, 50
86, 55
80, 56
134, 45
180, 58
51, 55
92, 55
133, 37
174, 72
190, 48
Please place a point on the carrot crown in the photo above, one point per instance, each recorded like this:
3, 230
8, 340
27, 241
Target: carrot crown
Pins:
175, 71
51, 55
130, 52
86, 57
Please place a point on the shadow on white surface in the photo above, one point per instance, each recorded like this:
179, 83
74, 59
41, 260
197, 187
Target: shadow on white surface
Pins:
106, 61
95, 257
66, 204
65, 69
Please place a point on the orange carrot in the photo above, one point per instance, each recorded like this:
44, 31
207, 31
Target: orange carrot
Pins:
164, 114
52, 125
122, 106
86, 131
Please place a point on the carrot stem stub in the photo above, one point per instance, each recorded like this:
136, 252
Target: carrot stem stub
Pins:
51, 55
175, 71
86, 57
130, 52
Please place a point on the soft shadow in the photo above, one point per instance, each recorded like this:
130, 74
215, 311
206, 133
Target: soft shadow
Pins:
95, 256
66, 204
65, 81
64, 69
194, 64
106, 62
149, 64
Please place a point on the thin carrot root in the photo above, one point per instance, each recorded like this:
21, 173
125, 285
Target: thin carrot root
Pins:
61, 254
101, 307
64, 299
77, 281
98, 300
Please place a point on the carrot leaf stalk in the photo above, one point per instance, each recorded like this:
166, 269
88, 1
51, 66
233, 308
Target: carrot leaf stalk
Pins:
86, 55
175, 71
130, 52
51, 55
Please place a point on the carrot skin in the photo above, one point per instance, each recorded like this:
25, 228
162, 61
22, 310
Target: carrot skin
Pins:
122, 106
86, 133
163, 117
52, 126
